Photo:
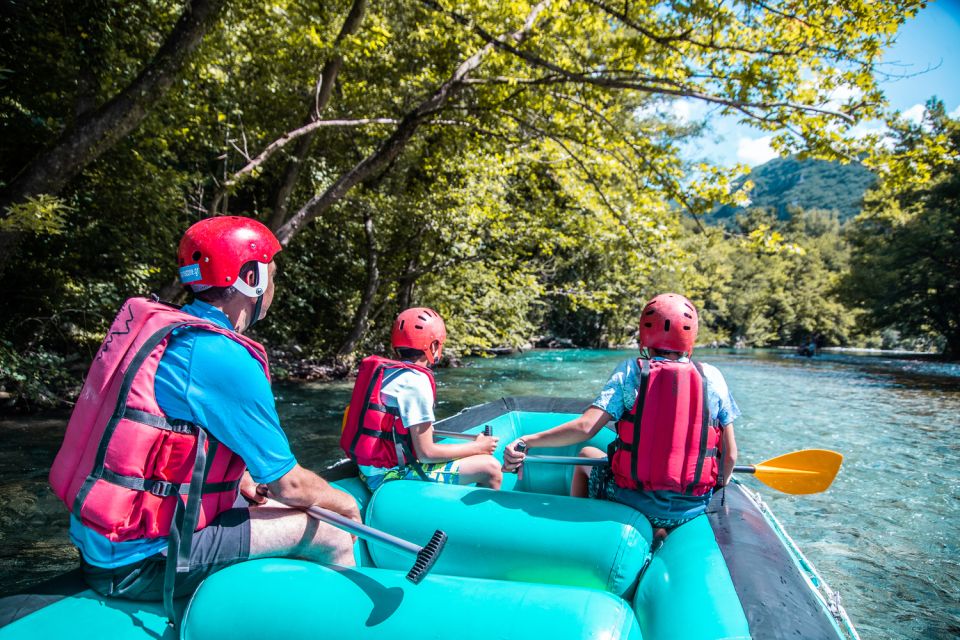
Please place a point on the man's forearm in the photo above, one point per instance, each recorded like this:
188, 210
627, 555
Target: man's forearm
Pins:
303, 488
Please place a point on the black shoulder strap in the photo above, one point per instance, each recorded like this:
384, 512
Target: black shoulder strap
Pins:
642, 385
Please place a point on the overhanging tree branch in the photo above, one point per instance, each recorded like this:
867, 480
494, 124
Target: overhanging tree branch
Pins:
409, 124
325, 84
602, 79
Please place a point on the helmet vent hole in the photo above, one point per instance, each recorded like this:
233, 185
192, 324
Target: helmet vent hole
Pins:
402, 322
422, 318
650, 312
666, 325
686, 328
196, 256
687, 315
648, 324
418, 326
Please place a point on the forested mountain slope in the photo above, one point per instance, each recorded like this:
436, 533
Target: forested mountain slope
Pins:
789, 182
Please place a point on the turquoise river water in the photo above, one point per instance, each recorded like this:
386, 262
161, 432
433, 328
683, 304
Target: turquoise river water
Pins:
886, 535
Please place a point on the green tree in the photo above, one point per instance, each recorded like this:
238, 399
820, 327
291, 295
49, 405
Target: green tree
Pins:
907, 241
512, 162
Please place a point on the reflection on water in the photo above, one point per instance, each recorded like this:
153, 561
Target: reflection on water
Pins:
885, 535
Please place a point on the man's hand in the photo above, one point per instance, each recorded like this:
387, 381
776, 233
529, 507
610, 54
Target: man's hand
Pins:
250, 490
513, 459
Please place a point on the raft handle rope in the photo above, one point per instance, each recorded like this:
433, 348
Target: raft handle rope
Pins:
426, 556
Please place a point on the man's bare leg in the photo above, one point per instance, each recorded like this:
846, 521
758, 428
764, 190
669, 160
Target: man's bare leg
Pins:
277, 530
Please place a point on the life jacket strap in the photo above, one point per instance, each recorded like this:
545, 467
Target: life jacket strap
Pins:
185, 518
705, 426
158, 422
382, 408
377, 433
644, 382
162, 488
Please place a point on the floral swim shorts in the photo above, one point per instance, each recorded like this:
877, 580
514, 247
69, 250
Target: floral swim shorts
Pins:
439, 472
602, 487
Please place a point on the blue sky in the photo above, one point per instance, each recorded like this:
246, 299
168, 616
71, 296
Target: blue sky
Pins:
926, 57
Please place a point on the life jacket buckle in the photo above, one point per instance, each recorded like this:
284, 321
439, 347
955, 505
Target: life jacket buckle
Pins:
162, 488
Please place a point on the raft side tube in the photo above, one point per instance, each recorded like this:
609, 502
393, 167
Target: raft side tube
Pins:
308, 600
88, 615
686, 592
506, 535
779, 599
358, 489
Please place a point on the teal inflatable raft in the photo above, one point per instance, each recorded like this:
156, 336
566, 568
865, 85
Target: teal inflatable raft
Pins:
527, 561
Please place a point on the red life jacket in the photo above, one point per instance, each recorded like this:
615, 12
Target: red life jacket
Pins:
667, 440
373, 433
123, 468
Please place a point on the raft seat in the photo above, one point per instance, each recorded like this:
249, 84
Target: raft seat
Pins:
516, 536
538, 478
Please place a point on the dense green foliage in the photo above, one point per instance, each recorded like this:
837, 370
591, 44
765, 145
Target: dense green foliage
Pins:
906, 261
509, 163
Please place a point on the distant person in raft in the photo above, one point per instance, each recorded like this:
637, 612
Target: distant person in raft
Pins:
388, 426
175, 438
674, 420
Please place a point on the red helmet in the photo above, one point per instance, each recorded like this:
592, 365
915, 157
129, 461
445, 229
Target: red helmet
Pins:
213, 250
669, 322
417, 328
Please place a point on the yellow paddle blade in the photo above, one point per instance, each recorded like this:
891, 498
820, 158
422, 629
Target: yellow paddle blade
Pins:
800, 472
343, 423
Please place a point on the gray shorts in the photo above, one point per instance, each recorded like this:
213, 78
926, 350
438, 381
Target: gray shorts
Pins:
223, 542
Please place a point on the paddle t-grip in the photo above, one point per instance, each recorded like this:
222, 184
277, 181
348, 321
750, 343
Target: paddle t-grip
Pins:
427, 557
487, 430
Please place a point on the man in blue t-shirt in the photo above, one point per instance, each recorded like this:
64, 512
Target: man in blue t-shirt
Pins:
210, 380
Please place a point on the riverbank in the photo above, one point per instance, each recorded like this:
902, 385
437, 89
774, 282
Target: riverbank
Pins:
53, 384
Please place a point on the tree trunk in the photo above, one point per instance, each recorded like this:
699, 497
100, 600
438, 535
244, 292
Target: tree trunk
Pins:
366, 301
100, 130
328, 77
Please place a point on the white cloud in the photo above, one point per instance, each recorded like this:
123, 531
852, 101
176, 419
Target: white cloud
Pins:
914, 114
754, 151
865, 128
686, 109
955, 113
683, 110
841, 95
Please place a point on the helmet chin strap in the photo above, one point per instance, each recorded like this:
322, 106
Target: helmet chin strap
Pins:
256, 313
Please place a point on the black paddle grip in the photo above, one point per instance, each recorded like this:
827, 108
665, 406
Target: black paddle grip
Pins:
427, 557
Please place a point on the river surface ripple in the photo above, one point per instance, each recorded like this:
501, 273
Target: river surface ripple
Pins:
885, 535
